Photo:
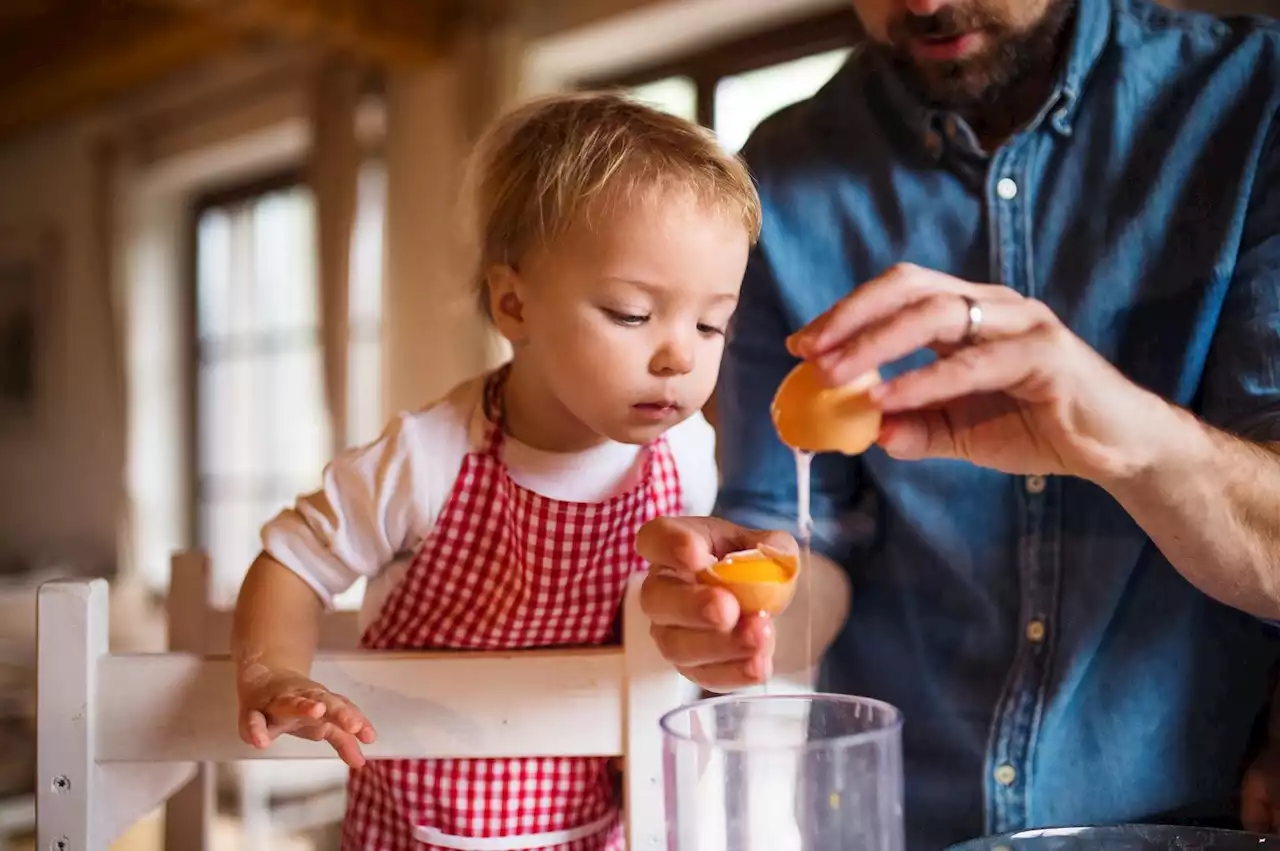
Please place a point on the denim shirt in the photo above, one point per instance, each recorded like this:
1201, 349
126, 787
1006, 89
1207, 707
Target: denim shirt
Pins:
1052, 666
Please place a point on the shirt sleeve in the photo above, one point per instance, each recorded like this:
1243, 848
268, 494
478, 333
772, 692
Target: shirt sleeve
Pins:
1241, 390
374, 501
758, 472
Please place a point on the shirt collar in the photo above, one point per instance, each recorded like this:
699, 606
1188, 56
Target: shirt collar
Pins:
1092, 25
1093, 28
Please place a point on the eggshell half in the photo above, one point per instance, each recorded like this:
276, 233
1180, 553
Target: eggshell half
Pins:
813, 417
762, 580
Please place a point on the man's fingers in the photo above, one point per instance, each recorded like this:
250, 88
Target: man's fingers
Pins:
891, 292
690, 648
899, 286
882, 296
673, 601
936, 320
1000, 366
914, 435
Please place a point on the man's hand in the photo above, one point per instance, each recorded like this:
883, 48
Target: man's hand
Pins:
274, 703
1022, 395
1260, 794
698, 628
1018, 392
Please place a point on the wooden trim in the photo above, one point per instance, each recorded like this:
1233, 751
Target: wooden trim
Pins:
190, 348
247, 190
55, 67
390, 32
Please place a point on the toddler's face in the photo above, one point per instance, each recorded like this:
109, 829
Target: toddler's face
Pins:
624, 316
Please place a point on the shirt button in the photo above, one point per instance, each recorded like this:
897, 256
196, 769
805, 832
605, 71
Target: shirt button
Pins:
1035, 632
1007, 188
1006, 775
1035, 484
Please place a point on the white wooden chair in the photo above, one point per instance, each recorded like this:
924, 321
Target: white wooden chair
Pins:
119, 733
197, 626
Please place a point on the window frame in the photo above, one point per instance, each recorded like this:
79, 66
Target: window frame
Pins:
221, 196
838, 28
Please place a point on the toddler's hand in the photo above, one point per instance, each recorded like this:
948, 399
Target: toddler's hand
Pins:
699, 628
274, 703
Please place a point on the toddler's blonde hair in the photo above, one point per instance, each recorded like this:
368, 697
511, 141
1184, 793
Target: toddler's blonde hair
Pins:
548, 164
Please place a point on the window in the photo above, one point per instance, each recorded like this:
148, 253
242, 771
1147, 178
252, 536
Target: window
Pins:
262, 433
733, 87
744, 100
676, 95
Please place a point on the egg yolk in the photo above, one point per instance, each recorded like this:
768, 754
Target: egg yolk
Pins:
752, 567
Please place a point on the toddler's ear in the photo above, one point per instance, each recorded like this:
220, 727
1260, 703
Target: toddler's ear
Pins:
505, 304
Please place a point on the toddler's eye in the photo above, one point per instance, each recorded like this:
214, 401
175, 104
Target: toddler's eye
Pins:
630, 320
710, 329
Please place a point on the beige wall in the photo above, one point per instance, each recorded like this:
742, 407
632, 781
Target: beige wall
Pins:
110, 395
61, 491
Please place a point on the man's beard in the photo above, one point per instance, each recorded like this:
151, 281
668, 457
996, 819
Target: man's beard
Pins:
974, 83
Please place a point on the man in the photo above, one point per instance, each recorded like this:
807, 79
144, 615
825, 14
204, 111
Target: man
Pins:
1065, 550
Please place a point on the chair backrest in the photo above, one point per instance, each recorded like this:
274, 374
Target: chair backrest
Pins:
119, 733
196, 625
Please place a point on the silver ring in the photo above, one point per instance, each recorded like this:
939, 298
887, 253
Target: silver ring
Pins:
973, 327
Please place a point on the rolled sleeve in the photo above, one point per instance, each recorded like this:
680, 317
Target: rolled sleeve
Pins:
758, 487
1242, 374
356, 523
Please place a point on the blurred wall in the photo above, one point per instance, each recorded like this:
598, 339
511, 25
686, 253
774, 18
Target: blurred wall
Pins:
61, 474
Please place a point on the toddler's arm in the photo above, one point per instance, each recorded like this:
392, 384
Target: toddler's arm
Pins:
273, 643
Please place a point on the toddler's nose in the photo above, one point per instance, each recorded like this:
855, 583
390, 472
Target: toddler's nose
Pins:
674, 358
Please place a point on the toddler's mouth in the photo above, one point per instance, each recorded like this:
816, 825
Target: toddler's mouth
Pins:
659, 410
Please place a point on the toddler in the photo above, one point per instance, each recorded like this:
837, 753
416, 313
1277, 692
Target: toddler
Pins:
614, 239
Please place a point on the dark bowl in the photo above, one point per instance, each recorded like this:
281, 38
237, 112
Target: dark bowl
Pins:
1129, 837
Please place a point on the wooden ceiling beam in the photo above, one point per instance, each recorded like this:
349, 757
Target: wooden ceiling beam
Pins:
386, 32
55, 63
50, 72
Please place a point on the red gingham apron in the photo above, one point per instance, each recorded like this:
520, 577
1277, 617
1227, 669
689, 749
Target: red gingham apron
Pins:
507, 568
